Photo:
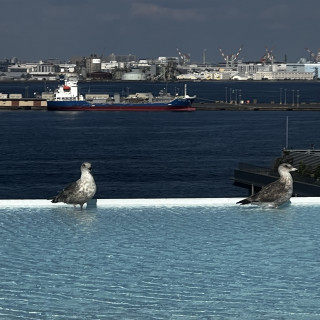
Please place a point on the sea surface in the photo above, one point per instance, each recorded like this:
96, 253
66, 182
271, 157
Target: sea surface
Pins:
143, 155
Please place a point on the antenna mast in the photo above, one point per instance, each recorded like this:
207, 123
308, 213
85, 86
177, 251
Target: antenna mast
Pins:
287, 132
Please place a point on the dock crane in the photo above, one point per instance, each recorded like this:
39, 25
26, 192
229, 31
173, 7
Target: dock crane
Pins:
185, 57
314, 57
268, 57
230, 58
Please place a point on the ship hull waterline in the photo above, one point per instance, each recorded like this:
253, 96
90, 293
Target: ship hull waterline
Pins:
54, 106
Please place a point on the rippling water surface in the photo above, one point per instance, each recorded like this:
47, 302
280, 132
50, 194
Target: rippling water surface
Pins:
160, 263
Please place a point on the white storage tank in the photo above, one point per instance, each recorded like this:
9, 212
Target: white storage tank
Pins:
134, 75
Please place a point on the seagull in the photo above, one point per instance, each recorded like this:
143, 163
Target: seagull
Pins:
80, 191
276, 193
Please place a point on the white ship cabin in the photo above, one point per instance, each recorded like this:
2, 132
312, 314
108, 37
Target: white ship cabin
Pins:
68, 91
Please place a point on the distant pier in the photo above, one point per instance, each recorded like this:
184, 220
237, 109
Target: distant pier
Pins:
222, 106
253, 178
41, 104
23, 104
306, 181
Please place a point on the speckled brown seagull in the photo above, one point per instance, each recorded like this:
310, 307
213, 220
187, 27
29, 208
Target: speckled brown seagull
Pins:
276, 193
80, 191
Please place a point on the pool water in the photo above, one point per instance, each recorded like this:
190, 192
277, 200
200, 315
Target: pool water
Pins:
159, 259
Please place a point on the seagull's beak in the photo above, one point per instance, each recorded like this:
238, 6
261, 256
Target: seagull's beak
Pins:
294, 169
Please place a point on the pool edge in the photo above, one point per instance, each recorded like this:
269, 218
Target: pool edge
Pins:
161, 202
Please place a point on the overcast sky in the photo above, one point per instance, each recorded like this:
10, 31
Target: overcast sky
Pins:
41, 29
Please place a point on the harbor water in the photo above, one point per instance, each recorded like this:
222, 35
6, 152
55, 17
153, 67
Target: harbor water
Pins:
143, 155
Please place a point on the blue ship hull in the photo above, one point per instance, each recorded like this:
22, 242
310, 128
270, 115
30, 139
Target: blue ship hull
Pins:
83, 105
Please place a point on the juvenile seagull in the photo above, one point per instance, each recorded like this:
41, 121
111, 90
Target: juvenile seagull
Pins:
78, 192
276, 193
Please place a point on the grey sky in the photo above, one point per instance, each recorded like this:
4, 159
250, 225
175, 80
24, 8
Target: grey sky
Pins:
41, 29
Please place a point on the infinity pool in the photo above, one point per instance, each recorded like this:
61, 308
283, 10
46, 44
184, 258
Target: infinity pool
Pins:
159, 259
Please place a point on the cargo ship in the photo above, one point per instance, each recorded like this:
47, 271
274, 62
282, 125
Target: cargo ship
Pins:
67, 98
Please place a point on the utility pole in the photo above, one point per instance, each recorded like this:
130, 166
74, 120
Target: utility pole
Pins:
285, 96
293, 98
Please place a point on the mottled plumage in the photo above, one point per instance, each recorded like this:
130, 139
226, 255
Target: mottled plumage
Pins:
79, 192
275, 193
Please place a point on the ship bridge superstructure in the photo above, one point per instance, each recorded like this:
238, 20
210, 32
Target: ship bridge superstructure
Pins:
68, 91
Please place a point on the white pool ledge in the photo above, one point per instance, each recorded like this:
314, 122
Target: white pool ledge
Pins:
163, 202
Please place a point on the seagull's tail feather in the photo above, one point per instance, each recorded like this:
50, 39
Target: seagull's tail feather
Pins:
54, 199
244, 201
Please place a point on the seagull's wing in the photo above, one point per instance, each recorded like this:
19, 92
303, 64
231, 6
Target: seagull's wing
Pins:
67, 192
269, 193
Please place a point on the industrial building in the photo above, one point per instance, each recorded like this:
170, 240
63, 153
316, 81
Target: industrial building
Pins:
130, 68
